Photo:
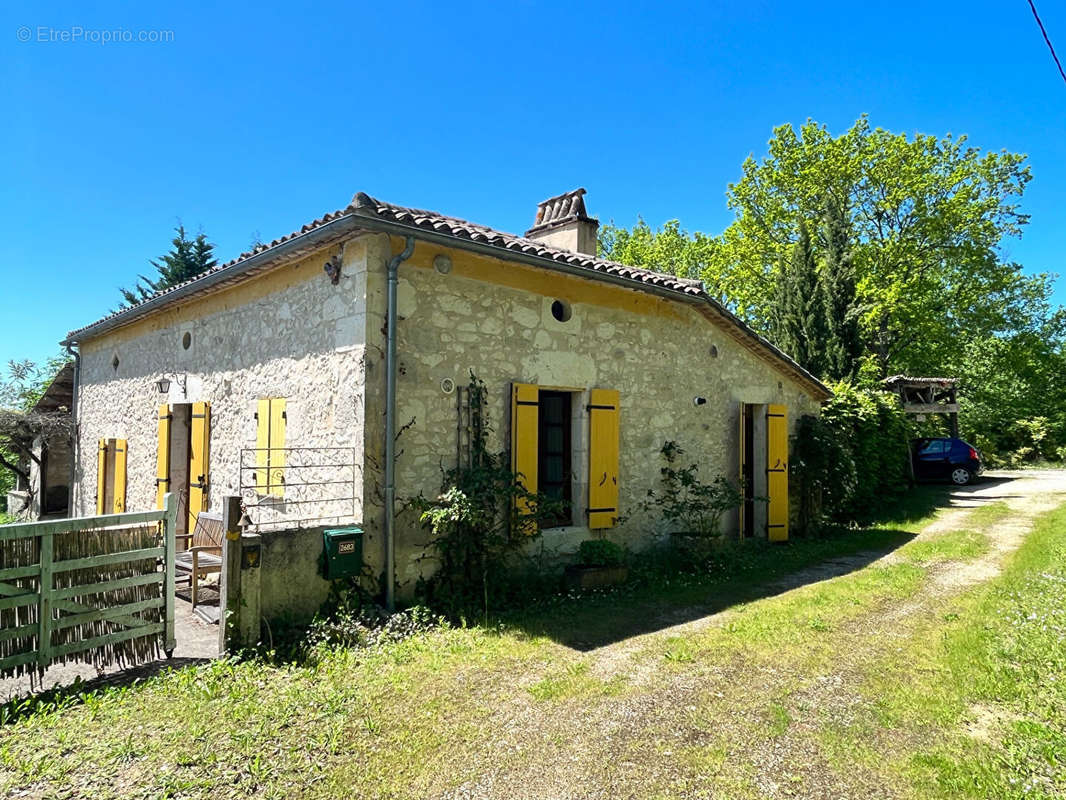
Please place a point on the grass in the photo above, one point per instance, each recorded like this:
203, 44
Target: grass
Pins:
1002, 703
783, 682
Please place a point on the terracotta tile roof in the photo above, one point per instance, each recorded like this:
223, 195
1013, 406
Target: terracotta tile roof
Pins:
365, 207
462, 229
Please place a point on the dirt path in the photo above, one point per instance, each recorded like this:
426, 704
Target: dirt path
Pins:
648, 735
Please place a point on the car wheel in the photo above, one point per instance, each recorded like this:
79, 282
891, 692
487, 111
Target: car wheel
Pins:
961, 476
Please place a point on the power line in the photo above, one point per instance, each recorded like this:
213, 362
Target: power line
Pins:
1048, 40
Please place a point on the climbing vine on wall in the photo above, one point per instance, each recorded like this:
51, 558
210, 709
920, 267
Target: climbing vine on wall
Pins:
480, 522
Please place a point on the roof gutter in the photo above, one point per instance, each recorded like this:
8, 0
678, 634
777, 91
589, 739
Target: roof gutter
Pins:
321, 235
356, 219
375, 223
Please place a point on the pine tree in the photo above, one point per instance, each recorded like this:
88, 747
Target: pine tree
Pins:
843, 344
186, 259
799, 318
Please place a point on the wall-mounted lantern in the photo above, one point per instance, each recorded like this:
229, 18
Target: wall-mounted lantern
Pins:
332, 268
163, 384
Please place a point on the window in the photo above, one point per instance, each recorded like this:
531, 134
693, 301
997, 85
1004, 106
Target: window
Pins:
934, 447
271, 419
542, 426
554, 454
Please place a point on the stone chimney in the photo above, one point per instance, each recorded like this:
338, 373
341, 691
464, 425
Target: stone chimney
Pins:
562, 222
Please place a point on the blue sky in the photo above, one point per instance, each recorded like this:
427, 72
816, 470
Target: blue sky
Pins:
256, 118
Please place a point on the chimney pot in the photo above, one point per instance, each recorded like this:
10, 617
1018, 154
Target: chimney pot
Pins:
562, 222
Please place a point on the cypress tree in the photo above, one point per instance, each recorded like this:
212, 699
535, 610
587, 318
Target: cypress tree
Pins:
843, 344
799, 318
186, 259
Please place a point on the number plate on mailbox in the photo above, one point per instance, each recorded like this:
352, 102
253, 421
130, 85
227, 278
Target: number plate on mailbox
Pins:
343, 556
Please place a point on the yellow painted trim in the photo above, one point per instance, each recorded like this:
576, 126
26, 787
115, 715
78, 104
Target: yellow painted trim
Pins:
119, 503
604, 410
525, 416
547, 283
277, 441
199, 461
777, 472
540, 281
262, 445
742, 465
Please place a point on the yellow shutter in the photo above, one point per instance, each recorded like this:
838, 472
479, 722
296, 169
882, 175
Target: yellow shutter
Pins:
777, 473
742, 463
199, 459
101, 476
162, 463
525, 398
119, 506
262, 446
277, 442
603, 458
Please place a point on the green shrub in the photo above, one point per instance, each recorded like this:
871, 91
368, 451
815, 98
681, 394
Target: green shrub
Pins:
687, 503
822, 473
856, 458
480, 524
366, 626
599, 553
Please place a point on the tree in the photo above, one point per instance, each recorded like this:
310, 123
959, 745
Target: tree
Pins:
186, 259
908, 234
669, 249
20, 389
843, 349
926, 215
798, 325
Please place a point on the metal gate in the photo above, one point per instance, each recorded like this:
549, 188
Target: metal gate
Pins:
96, 589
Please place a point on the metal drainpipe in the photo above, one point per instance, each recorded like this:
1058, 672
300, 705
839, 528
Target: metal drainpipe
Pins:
75, 439
393, 270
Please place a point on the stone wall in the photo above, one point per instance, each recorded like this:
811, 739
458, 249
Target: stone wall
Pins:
291, 586
656, 352
289, 333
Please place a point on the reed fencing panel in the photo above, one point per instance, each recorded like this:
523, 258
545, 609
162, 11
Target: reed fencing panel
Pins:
99, 590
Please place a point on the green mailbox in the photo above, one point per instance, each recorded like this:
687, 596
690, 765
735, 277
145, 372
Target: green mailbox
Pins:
343, 552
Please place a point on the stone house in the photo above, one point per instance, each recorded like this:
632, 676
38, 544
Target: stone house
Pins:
220, 386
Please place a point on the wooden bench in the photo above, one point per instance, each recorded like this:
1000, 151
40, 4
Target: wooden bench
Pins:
204, 555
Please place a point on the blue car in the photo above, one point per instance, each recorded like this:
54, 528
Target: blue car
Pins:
946, 458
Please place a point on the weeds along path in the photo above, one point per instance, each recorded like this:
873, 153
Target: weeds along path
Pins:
751, 701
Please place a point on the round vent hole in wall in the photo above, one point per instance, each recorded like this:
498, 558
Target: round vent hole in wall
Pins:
561, 310
442, 263
186, 340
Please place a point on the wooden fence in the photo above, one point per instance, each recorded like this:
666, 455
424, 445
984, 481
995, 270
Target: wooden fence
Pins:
97, 589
